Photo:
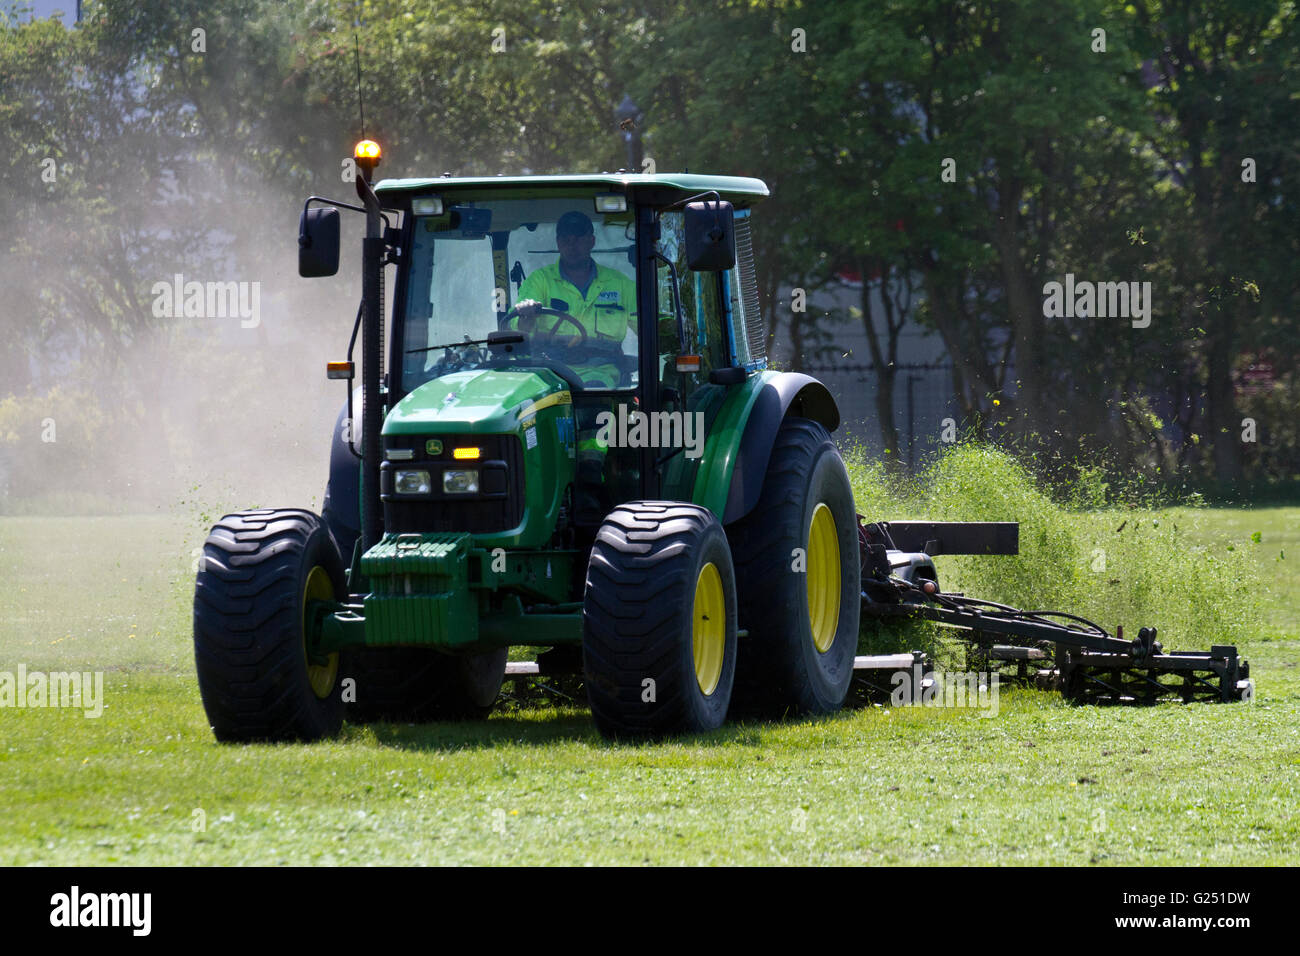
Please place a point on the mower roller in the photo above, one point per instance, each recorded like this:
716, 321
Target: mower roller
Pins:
585, 454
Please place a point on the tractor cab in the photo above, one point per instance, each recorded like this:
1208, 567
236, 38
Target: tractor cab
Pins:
589, 279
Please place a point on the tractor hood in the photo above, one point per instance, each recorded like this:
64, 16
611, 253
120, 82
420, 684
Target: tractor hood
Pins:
484, 401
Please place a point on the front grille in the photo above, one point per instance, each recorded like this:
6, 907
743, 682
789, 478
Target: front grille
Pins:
497, 506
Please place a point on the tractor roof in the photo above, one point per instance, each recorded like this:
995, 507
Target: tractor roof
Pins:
739, 187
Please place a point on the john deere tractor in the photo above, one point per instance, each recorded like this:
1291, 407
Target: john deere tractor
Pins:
609, 474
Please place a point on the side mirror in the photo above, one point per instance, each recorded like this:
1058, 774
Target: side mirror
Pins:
710, 236
729, 375
318, 242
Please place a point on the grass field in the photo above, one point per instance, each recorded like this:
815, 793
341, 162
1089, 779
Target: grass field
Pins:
1042, 782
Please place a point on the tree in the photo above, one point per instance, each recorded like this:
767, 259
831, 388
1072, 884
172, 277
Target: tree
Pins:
1217, 77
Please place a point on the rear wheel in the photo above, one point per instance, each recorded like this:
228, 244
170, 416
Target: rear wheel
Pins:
258, 676
797, 576
659, 621
417, 685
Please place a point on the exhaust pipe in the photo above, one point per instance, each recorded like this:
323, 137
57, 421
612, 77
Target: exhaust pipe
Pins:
373, 248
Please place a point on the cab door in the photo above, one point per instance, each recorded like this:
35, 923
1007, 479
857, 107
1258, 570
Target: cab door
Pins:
690, 344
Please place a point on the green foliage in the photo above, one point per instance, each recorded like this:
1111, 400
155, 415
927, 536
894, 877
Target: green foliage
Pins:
1122, 563
1124, 165
55, 442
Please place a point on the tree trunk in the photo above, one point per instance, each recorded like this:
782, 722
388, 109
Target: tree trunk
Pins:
885, 365
972, 372
1025, 311
1222, 417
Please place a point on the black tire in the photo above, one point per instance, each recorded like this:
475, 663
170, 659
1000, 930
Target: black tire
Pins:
249, 640
780, 669
417, 685
639, 619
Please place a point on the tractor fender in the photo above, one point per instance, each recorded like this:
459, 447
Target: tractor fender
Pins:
741, 470
341, 509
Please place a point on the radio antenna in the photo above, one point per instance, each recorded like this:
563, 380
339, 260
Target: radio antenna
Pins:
361, 106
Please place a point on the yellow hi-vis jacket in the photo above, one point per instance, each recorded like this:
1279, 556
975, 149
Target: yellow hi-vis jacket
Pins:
605, 311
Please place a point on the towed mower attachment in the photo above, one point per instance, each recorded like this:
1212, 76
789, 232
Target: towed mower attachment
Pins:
1052, 648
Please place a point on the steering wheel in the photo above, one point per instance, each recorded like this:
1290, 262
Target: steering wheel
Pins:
613, 353
550, 336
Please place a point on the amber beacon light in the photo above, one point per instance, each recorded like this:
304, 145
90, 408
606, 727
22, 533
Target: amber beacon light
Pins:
367, 155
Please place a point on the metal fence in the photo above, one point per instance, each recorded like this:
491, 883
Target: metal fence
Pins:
923, 398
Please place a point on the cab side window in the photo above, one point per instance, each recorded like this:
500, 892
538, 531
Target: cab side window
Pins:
696, 298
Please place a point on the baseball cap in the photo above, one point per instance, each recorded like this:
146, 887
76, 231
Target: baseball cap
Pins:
574, 223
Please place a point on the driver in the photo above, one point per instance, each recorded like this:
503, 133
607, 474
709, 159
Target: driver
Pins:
602, 300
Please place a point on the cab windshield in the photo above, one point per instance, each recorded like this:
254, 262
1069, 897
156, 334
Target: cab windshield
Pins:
553, 269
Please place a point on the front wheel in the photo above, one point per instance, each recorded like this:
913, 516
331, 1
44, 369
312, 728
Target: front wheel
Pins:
659, 621
261, 579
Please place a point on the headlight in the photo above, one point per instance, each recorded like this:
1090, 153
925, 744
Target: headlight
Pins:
412, 482
460, 482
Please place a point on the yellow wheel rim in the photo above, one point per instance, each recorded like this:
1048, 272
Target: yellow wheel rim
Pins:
320, 676
823, 578
709, 628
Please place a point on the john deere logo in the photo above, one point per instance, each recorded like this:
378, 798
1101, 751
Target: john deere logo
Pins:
433, 446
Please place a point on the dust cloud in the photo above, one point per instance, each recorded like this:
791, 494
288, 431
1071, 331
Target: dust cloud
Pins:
196, 411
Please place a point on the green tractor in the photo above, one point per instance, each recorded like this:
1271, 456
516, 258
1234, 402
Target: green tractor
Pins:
567, 438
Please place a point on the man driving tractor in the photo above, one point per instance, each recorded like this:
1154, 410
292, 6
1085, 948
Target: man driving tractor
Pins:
601, 300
